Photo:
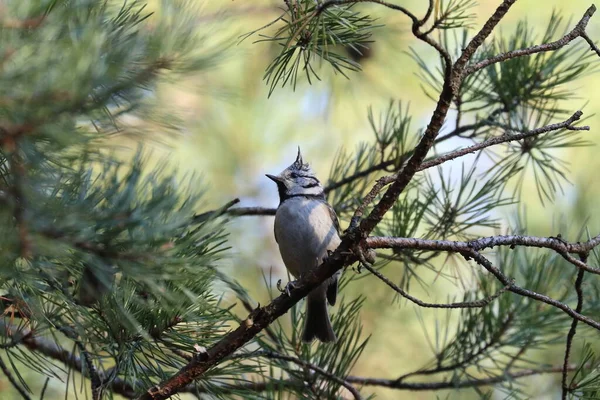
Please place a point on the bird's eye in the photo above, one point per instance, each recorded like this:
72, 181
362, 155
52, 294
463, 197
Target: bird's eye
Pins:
294, 175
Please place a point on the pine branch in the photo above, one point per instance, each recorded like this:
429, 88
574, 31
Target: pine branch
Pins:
13, 381
73, 105
465, 304
484, 262
578, 31
56, 352
251, 211
489, 343
251, 326
263, 316
452, 83
557, 244
505, 138
328, 3
305, 364
458, 384
386, 180
571, 335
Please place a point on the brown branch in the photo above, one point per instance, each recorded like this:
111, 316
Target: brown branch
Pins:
18, 173
578, 31
568, 124
457, 384
427, 14
56, 352
484, 262
13, 381
416, 25
251, 211
198, 218
465, 304
471, 250
477, 41
578, 282
452, 83
386, 180
593, 46
557, 244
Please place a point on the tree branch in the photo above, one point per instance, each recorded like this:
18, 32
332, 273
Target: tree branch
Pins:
578, 282
457, 384
491, 341
567, 124
13, 381
578, 31
484, 262
557, 244
466, 304
451, 87
251, 326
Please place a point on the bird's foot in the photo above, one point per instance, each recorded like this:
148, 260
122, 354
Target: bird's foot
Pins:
288, 287
366, 257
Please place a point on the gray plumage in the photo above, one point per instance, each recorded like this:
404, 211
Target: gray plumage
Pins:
306, 228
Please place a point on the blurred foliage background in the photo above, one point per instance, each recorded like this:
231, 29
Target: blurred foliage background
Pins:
233, 133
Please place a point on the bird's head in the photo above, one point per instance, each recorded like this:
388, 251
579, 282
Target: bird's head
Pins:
297, 180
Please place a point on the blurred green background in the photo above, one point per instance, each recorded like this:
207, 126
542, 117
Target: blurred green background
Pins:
233, 134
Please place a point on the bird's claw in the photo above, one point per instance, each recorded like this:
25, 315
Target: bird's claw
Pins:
288, 287
365, 256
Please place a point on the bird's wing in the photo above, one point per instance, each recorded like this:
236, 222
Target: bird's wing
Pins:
334, 218
332, 288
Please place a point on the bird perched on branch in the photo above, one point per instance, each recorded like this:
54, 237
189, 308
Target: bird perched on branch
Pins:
306, 229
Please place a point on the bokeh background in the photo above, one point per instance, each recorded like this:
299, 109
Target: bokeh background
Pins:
233, 134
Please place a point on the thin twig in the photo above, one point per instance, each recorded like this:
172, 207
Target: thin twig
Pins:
505, 138
254, 211
484, 262
493, 341
578, 283
451, 384
326, 4
578, 31
305, 364
43, 393
425, 18
593, 46
386, 180
13, 381
465, 304
198, 218
92, 372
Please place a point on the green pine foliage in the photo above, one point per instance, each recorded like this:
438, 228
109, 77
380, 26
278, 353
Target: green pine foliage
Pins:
109, 262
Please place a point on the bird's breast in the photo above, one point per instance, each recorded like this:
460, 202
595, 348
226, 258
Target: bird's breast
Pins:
305, 231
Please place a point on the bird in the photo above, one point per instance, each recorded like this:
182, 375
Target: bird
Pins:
307, 230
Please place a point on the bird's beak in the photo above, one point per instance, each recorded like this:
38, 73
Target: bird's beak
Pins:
274, 178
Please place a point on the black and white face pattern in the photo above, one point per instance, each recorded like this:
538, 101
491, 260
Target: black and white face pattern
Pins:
297, 180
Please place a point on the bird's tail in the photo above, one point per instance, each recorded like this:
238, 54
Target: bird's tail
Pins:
317, 323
